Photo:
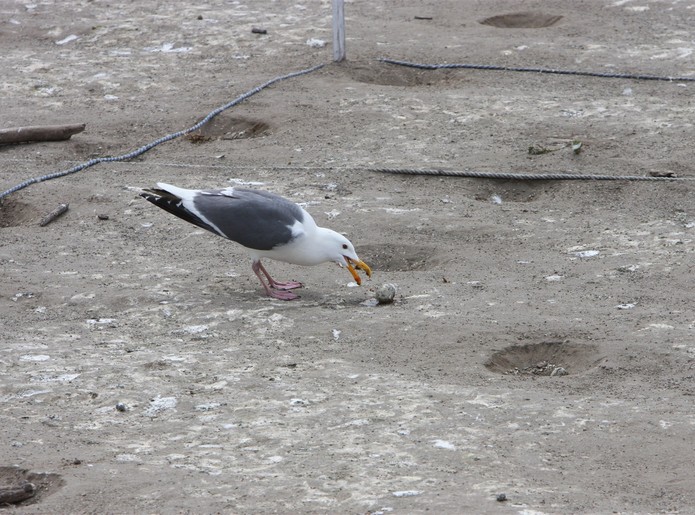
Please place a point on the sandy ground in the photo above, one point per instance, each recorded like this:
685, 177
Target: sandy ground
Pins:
235, 403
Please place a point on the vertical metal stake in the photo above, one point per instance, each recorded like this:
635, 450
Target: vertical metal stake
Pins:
338, 30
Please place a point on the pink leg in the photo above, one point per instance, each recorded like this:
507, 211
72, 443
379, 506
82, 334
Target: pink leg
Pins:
276, 294
289, 285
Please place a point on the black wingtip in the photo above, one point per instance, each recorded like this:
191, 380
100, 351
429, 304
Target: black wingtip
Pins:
154, 194
174, 205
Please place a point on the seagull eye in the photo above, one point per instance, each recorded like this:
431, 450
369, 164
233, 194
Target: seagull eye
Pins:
345, 246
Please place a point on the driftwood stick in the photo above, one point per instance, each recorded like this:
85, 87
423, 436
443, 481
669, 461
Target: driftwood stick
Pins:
15, 494
40, 133
62, 208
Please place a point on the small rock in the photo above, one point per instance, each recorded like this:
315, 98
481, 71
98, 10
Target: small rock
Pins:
385, 293
316, 43
501, 497
102, 216
586, 253
407, 493
121, 407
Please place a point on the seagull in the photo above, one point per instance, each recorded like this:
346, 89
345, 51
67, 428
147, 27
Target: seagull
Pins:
268, 225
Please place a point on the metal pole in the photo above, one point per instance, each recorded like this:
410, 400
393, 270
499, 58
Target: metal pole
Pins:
338, 30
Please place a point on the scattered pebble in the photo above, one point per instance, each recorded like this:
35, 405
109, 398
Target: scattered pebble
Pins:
194, 329
628, 268
316, 43
559, 371
34, 357
102, 216
100, 322
407, 493
207, 406
121, 407
501, 497
385, 293
586, 253
258, 30
542, 368
160, 404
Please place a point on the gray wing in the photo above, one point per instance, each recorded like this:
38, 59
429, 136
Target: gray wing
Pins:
256, 219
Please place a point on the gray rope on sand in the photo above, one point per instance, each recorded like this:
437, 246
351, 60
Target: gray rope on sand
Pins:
163, 139
402, 171
537, 70
506, 176
526, 176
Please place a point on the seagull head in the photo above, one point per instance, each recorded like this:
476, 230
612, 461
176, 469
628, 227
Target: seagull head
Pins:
341, 251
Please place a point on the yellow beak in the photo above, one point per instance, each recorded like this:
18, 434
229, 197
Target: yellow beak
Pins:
361, 265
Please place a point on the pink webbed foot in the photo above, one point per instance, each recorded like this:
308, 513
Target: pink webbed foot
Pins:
282, 294
289, 285
275, 289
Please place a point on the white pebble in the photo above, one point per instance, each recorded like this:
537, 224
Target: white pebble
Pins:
316, 43
407, 493
628, 305
586, 253
443, 444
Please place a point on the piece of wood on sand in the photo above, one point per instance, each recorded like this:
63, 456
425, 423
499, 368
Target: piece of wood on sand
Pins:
39, 133
62, 208
16, 493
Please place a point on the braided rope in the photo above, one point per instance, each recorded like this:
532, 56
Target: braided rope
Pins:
163, 139
537, 70
403, 171
432, 172
526, 176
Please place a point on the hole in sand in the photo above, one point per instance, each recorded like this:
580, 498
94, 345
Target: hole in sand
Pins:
499, 192
228, 127
386, 74
21, 486
14, 213
524, 20
398, 258
544, 359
